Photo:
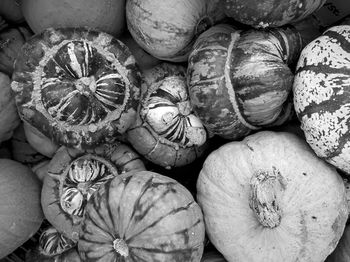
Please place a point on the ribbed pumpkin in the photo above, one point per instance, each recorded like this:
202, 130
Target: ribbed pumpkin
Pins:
321, 100
20, 209
167, 29
270, 13
79, 87
9, 119
342, 251
166, 131
74, 175
270, 198
103, 15
239, 81
142, 216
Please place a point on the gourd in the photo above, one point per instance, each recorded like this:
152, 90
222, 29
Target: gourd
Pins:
240, 81
103, 15
74, 175
166, 131
79, 87
142, 216
320, 95
167, 29
9, 118
21, 214
270, 198
267, 13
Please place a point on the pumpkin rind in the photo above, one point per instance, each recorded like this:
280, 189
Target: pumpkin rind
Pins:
166, 131
152, 217
240, 81
79, 87
320, 95
74, 175
267, 13
274, 178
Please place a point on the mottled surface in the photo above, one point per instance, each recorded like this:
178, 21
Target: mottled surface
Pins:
321, 95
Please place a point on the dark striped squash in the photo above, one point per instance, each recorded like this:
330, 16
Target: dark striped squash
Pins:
239, 81
142, 216
270, 13
79, 87
166, 131
74, 175
321, 99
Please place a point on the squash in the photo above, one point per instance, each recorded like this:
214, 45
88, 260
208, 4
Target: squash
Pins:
9, 118
103, 15
267, 13
11, 11
142, 216
341, 252
239, 81
11, 41
167, 29
71, 255
77, 86
21, 214
320, 95
74, 175
166, 132
270, 198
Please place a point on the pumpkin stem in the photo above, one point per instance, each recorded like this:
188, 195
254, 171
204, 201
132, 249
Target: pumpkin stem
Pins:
184, 107
121, 247
265, 190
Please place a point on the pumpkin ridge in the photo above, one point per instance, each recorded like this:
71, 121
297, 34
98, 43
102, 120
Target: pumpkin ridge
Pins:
342, 41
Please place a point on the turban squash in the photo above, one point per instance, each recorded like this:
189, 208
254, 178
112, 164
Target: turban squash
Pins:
77, 86
270, 198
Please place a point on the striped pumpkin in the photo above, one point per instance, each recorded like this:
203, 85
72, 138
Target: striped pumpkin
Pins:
74, 175
240, 81
79, 87
142, 216
166, 131
321, 98
268, 13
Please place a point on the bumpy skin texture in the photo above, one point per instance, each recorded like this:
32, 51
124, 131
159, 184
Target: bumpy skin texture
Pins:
240, 81
270, 13
79, 87
270, 198
167, 29
142, 216
166, 130
321, 100
74, 175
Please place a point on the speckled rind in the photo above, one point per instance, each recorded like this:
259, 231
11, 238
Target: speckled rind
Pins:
267, 13
239, 81
321, 99
28, 77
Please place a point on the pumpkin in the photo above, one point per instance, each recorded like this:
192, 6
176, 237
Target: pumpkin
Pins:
78, 87
270, 198
320, 95
71, 255
74, 175
11, 11
103, 15
167, 29
212, 256
341, 253
240, 81
142, 216
20, 209
9, 119
267, 13
21, 150
166, 132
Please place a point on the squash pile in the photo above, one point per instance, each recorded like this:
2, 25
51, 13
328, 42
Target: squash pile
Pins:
174, 131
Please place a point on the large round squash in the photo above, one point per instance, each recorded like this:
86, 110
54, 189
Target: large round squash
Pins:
79, 87
321, 99
20, 209
103, 15
270, 13
270, 198
142, 216
167, 29
240, 81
